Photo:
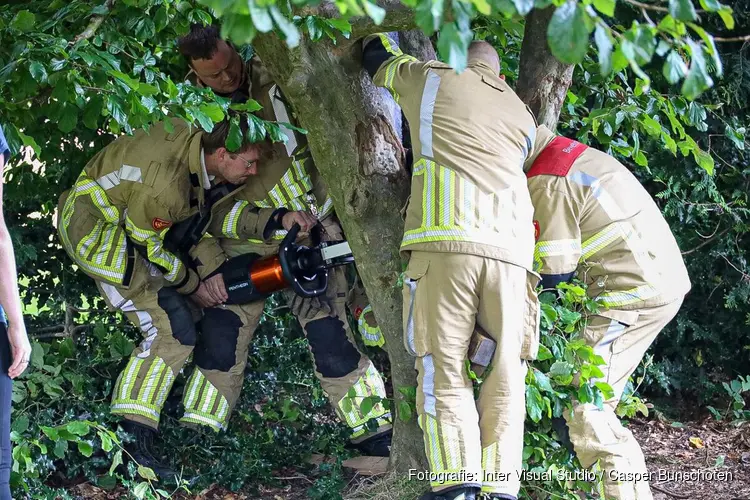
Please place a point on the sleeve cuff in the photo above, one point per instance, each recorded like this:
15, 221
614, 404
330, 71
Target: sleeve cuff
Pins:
274, 222
190, 283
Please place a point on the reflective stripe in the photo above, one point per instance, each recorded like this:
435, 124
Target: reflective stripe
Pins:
410, 320
604, 238
193, 388
637, 294
279, 110
231, 220
390, 72
369, 384
148, 385
489, 457
327, 207
608, 204
428, 385
455, 209
433, 446
426, 110
553, 248
199, 418
372, 336
156, 253
125, 173
127, 378
126, 408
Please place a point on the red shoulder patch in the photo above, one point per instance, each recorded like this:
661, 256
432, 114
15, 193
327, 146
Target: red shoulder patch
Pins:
557, 157
357, 312
537, 230
159, 224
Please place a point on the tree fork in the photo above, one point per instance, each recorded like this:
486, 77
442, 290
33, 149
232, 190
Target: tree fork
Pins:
361, 160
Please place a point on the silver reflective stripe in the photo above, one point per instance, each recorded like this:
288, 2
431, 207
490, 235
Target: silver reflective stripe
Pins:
614, 332
279, 109
410, 322
426, 110
428, 385
126, 173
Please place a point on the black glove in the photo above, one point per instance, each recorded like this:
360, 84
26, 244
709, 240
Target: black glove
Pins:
308, 309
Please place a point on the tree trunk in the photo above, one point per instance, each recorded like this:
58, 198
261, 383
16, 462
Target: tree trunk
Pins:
361, 159
543, 81
416, 43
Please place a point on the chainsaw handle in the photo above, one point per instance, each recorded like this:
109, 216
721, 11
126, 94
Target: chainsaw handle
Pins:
289, 266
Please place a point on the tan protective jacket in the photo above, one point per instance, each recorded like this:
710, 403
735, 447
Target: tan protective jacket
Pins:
471, 135
288, 179
139, 186
595, 219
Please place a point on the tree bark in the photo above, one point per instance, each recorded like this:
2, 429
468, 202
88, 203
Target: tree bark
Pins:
543, 81
417, 44
361, 159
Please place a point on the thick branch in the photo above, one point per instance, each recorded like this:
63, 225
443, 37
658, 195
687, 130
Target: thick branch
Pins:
743, 38
94, 23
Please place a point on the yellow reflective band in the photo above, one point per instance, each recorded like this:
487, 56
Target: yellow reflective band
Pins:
429, 427
489, 457
623, 298
232, 219
166, 385
554, 248
148, 385
193, 389
156, 253
372, 336
601, 240
199, 418
133, 407
127, 379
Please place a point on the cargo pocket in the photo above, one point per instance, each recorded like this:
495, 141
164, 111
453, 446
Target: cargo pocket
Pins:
530, 342
415, 331
615, 334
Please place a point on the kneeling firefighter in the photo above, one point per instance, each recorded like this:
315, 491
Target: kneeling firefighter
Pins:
115, 224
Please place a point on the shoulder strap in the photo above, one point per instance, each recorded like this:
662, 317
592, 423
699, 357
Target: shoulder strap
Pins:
557, 158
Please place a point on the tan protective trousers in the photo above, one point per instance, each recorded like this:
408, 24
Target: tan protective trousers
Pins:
598, 435
173, 328
339, 365
468, 442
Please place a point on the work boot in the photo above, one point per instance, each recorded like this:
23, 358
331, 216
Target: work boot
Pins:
460, 493
501, 496
142, 446
378, 445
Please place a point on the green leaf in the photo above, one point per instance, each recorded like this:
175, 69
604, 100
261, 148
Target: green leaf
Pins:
106, 482
542, 381
30, 142
51, 433
147, 473
69, 119
639, 45
606, 389
710, 5
38, 72
261, 17
604, 47
249, 106
697, 79
523, 7
606, 7
23, 21
674, 67
61, 447
678, 425
376, 13
234, 138
140, 490
651, 126
120, 346
116, 461
85, 448
737, 136
106, 441
409, 392
78, 428
115, 107
366, 406
404, 410
682, 10
534, 403
20, 424
726, 16
213, 111
640, 159
544, 353
205, 122
343, 25
704, 160
710, 48
453, 45
291, 33
37, 355
719, 461
568, 34
561, 369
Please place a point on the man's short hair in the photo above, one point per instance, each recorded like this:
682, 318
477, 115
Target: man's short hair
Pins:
201, 42
217, 138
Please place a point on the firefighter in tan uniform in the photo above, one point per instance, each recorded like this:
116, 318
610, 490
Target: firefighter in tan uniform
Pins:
470, 240
290, 183
115, 224
595, 221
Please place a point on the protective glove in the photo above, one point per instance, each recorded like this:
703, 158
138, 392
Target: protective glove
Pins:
308, 309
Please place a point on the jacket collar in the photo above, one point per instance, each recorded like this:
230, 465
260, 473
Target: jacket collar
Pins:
543, 137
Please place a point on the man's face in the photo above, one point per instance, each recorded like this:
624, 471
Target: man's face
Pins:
223, 72
235, 168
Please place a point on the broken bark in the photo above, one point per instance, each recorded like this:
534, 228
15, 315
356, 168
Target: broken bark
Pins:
543, 81
361, 159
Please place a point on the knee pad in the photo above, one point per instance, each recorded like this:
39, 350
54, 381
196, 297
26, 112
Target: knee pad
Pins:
335, 356
180, 317
217, 347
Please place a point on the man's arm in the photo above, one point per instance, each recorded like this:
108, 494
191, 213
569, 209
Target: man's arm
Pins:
10, 299
387, 65
558, 242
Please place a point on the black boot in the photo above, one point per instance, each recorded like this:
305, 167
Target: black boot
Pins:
142, 449
501, 496
378, 445
459, 493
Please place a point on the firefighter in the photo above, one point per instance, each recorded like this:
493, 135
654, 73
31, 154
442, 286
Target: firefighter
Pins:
290, 181
596, 222
117, 222
470, 240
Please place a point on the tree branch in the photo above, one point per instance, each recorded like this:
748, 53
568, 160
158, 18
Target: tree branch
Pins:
94, 23
647, 6
709, 240
398, 17
743, 38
